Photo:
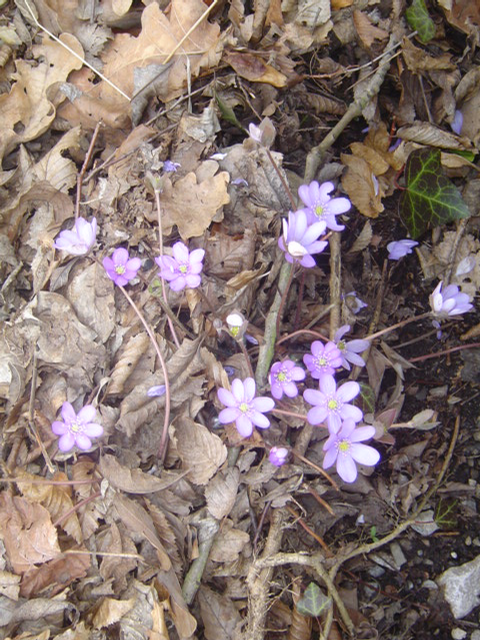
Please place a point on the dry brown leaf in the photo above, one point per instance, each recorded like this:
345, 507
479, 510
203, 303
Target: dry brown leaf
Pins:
229, 544
192, 206
133, 480
134, 517
418, 59
55, 498
367, 32
185, 623
28, 533
201, 451
219, 614
215, 372
29, 103
358, 182
89, 514
221, 493
55, 575
431, 135
111, 611
115, 540
166, 533
253, 68
9, 585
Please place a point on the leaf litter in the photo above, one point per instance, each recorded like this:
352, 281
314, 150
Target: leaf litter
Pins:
205, 537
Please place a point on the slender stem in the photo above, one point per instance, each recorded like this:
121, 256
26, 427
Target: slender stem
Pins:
163, 366
283, 300
160, 243
306, 332
247, 359
84, 168
398, 325
445, 352
291, 414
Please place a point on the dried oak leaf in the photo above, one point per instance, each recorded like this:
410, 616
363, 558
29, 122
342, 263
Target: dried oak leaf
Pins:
55, 498
28, 533
193, 205
56, 574
133, 480
29, 108
201, 451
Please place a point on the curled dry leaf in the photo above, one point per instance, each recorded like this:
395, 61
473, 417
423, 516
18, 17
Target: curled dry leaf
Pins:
219, 614
229, 544
133, 480
127, 359
116, 540
201, 451
111, 611
9, 585
28, 533
56, 575
221, 493
55, 498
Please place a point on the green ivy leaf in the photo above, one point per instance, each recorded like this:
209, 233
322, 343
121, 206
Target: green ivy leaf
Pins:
314, 602
419, 20
430, 199
228, 113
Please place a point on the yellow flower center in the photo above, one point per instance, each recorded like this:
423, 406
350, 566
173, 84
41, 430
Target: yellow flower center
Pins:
322, 362
319, 210
120, 269
341, 345
281, 377
234, 331
75, 427
183, 268
243, 407
332, 404
343, 446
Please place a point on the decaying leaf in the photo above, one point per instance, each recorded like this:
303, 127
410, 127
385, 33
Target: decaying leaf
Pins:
201, 451
132, 480
221, 493
56, 575
219, 614
111, 611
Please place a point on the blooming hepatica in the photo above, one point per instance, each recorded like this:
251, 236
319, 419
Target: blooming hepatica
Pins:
183, 269
76, 429
282, 378
120, 267
344, 447
278, 456
331, 404
400, 248
243, 407
349, 350
449, 302
300, 240
323, 359
80, 240
320, 206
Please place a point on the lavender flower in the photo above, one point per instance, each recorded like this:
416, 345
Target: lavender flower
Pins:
156, 391
330, 404
349, 350
278, 456
255, 133
300, 240
170, 167
324, 359
243, 407
354, 303
449, 302
183, 268
78, 241
344, 447
76, 429
457, 122
120, 267
320, 206
282, 378
400, 248
236, 325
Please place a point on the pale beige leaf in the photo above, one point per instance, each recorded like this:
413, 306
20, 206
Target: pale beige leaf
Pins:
134, 517
201, 451
55, 498
131, 352
229, 544
9, 585
28, 533
221, 493
192, 206
111, 611
358, 182
165, 532
219, 614
215, 371
363, 239
133, 480
115, 540
55, 575
428, 134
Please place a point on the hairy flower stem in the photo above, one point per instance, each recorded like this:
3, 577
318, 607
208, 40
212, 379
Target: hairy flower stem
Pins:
163, 443
160, 242
402, 323
267, 349
283, 300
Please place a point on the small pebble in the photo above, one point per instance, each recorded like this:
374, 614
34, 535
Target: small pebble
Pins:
458, 634
468, 541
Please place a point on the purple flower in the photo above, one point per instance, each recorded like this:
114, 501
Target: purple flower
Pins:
344, 447
183, 269
243, 407
400, 248
76, 429
324, 359
354, 303
156, 391
282, 378
170, 167
278, 456
457, 122
320, 206
349, 350
330, 404
79, 240
300, 240
120, 267
449, 302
